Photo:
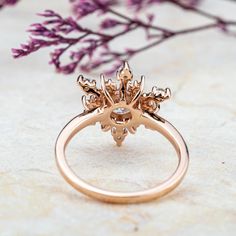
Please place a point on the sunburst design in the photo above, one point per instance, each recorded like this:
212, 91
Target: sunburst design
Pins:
122, 104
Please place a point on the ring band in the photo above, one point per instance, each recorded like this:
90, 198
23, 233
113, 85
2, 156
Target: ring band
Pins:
149, 120
154, 122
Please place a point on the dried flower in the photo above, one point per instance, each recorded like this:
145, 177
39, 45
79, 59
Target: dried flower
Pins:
4, 3
82, 8
109, 23
89, 49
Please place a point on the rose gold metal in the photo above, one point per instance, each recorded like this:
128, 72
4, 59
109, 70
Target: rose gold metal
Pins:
121, 109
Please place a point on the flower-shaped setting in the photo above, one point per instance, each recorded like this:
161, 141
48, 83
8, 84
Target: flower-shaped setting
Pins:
123, 104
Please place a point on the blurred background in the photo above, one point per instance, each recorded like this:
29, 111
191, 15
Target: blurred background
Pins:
36, 102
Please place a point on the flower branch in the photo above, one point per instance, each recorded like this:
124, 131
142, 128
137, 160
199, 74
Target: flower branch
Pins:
4, 3
88, 49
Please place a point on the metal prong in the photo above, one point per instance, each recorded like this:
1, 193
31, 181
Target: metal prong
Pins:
139, 93
132, 130
167, 93
106, 93
80, 79
105, 128
84, 102
126, 65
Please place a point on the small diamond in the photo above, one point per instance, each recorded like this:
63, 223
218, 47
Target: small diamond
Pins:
121, 110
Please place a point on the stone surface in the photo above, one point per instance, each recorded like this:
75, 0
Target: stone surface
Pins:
35, 103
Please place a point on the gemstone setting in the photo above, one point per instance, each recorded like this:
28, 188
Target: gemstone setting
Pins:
121, 111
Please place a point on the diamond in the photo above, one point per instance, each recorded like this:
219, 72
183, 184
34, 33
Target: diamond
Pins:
121, 111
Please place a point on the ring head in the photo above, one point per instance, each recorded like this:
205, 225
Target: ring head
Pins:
121, 116
123, 103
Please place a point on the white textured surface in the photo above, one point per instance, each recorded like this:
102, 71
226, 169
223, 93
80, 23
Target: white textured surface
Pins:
35, 103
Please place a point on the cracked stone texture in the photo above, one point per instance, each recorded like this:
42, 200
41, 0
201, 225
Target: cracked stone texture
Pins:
35, 103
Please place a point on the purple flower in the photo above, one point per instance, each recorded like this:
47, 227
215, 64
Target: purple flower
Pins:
82, 8
68, 68
32, 46
87, 49
138, 4
190, 3
4, 3
109, 23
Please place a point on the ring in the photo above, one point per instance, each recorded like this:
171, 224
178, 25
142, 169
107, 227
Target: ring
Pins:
121, 109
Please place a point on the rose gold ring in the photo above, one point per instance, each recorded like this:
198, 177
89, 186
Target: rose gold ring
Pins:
122, 109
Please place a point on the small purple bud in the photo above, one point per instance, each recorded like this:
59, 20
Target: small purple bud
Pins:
109, 23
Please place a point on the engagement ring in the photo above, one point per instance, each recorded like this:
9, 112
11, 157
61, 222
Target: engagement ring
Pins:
121, 109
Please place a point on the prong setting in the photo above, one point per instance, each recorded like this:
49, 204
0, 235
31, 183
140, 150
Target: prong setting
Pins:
123, 105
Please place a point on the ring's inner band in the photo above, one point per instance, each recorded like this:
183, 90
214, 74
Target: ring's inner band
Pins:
151, 121
141, 163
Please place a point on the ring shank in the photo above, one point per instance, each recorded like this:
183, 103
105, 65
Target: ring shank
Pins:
151, 121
